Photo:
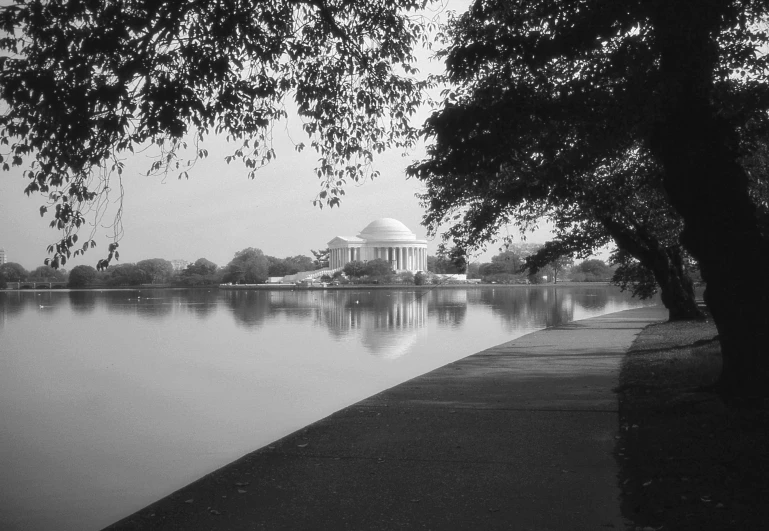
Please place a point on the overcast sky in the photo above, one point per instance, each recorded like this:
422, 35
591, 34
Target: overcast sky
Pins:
219, 211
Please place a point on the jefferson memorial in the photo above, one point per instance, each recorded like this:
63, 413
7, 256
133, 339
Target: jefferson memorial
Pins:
385, 238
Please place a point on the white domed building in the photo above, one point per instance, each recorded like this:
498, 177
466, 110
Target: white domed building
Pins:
385, 238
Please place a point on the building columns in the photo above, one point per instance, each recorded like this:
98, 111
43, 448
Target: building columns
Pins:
400, 258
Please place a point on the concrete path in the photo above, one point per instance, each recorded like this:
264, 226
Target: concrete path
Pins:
520, 436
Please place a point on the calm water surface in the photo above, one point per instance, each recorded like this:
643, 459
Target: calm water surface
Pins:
111, 400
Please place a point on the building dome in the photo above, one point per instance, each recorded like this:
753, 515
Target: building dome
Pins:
386, 229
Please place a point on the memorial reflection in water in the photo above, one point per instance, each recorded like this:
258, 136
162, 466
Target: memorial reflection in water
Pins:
128, 395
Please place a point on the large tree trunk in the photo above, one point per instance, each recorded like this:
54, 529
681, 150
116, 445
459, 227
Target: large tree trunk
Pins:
676, 287
665, 263
708, 187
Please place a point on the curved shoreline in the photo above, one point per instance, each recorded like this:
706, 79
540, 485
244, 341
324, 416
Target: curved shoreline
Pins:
491, 439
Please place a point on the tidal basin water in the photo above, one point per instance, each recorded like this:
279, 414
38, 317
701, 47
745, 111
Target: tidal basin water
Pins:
111, 400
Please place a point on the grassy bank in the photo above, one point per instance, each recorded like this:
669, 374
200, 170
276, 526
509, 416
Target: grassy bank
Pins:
688, 460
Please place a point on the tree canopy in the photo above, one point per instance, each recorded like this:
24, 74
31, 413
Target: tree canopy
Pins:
378, 268
321, 257
88, 83
48, 273
126, 275
354, 269
13, 272
81, 276
201, 266
156, 269
249, 266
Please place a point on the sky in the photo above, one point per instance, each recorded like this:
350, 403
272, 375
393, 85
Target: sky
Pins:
219, 211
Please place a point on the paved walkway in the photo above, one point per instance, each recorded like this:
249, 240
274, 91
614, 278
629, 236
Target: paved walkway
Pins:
520, 436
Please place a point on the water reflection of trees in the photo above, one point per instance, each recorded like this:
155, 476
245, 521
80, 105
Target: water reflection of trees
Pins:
250, 308
14, 303
201, 303
537, 306
83, 302
137, 303
593, 298
449, 306
159, 303
528, 307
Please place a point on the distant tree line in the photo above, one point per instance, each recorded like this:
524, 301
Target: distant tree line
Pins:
513, 266
250, 266
536, 263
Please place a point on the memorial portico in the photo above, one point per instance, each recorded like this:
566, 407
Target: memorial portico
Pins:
387, 239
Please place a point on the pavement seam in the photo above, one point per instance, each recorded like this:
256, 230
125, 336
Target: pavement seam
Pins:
501, 409
379, 460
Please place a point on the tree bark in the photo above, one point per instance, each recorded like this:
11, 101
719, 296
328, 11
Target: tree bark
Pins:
666, 263
676, 287
709, 189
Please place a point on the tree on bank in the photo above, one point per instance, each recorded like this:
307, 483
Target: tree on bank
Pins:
593, 270
126, 275
560, 265
354, 269
547, 88
47, 273
278, 267
13, 272
249, 266
447, 261
81, 276
202, 267
301, 262
633, 214
200, 272
157, 270
378, 268
321, 257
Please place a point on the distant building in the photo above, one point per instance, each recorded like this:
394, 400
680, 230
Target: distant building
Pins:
3, 256
180, 264
387, 239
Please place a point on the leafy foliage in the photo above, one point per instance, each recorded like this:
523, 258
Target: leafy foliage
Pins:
354, 269
81, 276
199, 273
279, 267
47, 273
288, 266
378, 267
592, 270
249, 266
86, 84
126, 275
632, 275
447, 261
156, 269
202, 267
551, 96
13, 272
321, 257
